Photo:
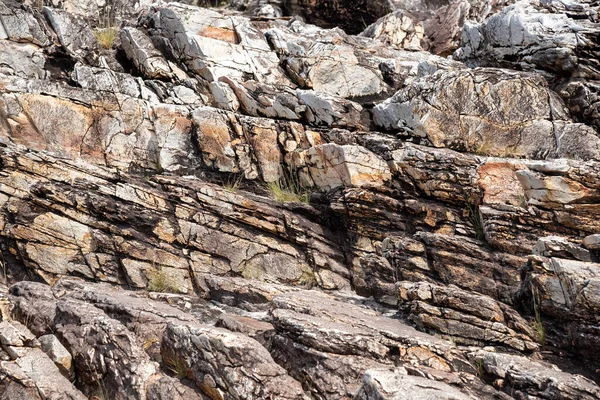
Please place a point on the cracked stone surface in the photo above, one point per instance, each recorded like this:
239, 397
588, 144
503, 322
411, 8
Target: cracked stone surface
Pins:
267, 199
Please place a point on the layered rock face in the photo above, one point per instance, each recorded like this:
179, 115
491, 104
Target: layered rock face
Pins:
223, 201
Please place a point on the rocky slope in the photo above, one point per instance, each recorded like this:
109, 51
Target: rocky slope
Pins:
223, 201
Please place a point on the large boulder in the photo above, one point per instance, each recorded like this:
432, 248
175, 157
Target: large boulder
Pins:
488, 111
557, 39
467, 317
29, 373
225, 364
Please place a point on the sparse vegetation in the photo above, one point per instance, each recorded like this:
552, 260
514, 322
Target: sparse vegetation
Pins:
288, 189
485, 147
479, 368
308, 278
177, 366
160, 281
523, 201
210, 3
233, 183
106, 36
149, 342
474, 217
538, 325
99, 392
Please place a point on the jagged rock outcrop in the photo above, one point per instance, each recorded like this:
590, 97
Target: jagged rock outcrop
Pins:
398, 30
226, 202
522, 377
561, 285
221, 361
556, 39
29, 372
394, 384
469, 317
493, 112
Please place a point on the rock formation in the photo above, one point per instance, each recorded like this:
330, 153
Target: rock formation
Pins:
212, 200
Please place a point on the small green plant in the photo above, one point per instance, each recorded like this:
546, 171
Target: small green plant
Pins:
160, 281
106, 36
474, 217
364, 23
233, 183
523, 201
288, 189
538, 325
308, 278
485, 147
479, 368
177, 366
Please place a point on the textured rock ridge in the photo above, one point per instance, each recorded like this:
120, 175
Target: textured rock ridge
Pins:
221, 200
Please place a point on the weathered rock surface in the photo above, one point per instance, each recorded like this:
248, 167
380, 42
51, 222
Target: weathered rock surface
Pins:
523, 377
556, 39
492, 112
321, 338
224, 363
29, 372
536, 35
201, 207
563, 287
396, 384
465, 316
398, 30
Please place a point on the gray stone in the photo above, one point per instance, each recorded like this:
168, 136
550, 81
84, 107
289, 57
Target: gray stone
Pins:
592, 242
498, 113
36, 369
396, 384
22, 60
525, 377
469, 318
20, 26
103, 350
57, 353
74, 34
148, 60
331, 165
556, 246
396, 29
13, 333
227, 364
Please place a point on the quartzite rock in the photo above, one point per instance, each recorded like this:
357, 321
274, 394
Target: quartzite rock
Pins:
148, 163
226, 364
466, 317
491, 112
395, 384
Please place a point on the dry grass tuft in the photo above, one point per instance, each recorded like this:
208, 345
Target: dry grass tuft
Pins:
160, 281
288, 189
106, 36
